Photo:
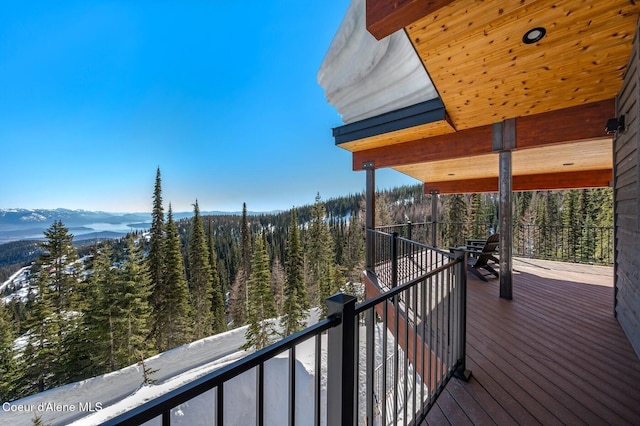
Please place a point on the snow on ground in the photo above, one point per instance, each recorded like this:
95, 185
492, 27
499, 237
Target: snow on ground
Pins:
112, 387
95, 400
18, 283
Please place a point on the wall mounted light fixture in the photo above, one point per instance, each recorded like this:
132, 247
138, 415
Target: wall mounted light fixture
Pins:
615, 125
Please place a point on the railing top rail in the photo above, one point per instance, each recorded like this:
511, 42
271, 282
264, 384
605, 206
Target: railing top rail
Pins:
417, 243
402, 224
437, 250
369, 303
184, 393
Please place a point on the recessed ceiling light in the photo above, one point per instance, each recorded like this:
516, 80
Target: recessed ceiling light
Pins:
534, 35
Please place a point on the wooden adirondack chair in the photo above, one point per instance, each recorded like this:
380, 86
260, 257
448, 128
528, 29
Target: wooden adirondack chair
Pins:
483, 256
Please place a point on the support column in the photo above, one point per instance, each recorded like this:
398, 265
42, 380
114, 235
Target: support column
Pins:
506, 227
370, 218
504, 140
434, 219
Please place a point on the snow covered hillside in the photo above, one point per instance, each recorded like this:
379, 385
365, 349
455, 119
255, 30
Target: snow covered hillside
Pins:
95, 400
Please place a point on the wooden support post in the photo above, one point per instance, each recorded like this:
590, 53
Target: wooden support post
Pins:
504, 140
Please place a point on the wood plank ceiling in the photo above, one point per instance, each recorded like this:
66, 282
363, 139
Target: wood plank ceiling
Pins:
484, 73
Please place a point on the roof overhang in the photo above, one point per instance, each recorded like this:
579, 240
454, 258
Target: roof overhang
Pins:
559, 92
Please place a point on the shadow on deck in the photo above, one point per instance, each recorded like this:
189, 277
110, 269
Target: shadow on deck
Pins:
554, 354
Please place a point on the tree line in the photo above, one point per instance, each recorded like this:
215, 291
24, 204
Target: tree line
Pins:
188, 279
181, 281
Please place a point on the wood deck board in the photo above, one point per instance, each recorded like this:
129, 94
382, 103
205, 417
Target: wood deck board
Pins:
565, 356
553, 355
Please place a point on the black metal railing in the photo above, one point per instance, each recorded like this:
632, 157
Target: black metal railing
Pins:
412, 333
578, 244
414, 336
169, 404
398, 259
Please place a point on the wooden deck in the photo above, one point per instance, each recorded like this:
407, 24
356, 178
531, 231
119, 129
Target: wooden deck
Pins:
554, 354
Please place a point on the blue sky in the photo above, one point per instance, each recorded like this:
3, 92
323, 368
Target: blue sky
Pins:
222, 96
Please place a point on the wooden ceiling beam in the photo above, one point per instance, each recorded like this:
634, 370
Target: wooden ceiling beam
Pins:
573, 124
386, 17
577, 123
541, 182
476, 141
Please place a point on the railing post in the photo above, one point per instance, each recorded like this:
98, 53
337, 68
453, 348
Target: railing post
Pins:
394, 260
409, 225
341, 360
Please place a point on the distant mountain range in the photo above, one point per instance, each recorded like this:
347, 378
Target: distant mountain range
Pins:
21, 224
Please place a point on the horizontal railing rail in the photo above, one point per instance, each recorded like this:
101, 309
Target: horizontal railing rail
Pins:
577, 244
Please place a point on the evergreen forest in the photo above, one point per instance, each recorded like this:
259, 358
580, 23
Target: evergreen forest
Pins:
91, 311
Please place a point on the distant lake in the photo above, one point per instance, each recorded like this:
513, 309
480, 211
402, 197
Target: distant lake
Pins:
112, 227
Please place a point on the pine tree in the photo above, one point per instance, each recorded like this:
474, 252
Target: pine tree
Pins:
135, 307
320, 255
476, 221
8, 367
543, 247
277, 284
245, 243
261, 304
60, 260
572, 221
455, 212
217, 299
200, 278
354, 248
147, 372
172, 326
38, 363
239, 299
155, 258
103, 312
604, 219
295, 302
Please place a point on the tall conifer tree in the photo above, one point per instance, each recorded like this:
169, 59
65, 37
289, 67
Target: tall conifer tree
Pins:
455, 213
571, 219
136, 310
172, 325
38, 363
60, 260
200, 278
8, 367
320, 255
239, 293
155, 258
261, 303
217, 298
104, 312
296, 301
